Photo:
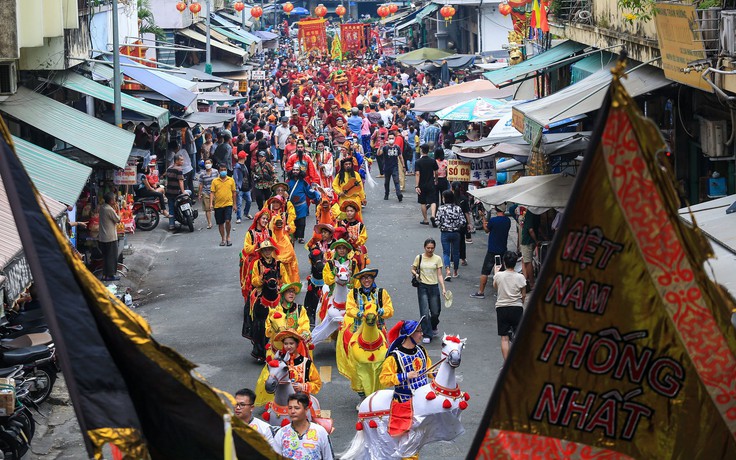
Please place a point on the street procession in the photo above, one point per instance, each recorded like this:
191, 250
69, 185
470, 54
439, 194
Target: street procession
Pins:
367, 230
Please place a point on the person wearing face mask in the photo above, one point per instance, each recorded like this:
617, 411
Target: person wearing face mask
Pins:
223, 200
205, 182
391, 155
304, 162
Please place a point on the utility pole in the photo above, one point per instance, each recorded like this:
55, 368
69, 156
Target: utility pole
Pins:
208, 62
116, 79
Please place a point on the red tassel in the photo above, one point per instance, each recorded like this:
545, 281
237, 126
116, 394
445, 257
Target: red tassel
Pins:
466, 396
268, 346
446, 404
430, 396
372, 357
373, 424
311, 346
285, 422
273, 363
463, 405
309, 287
277, 315
359, 426
267, 416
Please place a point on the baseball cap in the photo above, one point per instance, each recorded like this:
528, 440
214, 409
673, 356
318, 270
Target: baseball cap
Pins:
241, 155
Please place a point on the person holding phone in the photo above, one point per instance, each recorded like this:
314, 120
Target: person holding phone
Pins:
511, 288
498, 233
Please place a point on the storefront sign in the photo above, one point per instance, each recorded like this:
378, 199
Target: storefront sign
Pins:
258, 75
458, 170
127, 175
483, 170
680, 42
243, 87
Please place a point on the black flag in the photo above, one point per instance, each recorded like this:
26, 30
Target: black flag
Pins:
127, 389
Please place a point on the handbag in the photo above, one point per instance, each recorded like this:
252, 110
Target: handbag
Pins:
415, 279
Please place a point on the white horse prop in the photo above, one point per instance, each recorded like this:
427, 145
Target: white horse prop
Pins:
279, 384
333, 310
436, 411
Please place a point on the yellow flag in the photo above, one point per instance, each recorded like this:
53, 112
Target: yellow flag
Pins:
626, 349
229, 443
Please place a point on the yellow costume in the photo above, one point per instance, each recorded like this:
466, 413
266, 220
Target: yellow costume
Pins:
286, 253
256, 276
289, 215
367, 351
351, 188
282, 317
359, 299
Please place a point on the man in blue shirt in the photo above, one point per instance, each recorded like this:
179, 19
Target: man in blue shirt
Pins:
498, 234
355, 122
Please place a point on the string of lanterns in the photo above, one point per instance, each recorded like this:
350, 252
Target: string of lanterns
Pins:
195, 7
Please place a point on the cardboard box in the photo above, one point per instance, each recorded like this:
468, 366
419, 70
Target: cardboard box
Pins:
7, 397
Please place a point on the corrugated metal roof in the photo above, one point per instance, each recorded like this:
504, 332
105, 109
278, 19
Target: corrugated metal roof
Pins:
103, 140
84, 85
189, 33
56, 176
545, 61
10, 245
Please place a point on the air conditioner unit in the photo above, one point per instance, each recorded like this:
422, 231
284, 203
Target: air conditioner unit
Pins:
8, 78
713, 137
728, 32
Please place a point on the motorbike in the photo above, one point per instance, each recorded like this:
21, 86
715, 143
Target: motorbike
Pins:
17, 429
146, 211
184, 212
39, 368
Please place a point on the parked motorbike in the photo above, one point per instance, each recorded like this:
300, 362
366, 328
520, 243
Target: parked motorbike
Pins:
184, 212
146, 210
39, 367
17, 429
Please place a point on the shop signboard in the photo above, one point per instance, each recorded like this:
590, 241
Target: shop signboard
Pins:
458, 171
680, 42
127, 175
258, 75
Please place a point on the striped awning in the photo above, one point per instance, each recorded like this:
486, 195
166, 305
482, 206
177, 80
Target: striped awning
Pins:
89, 134
80, 84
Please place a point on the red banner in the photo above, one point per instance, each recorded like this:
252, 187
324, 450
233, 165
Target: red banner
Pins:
312, 35
352, 37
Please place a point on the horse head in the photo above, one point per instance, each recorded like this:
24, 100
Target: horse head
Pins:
343, 273
278, 372
317, 262
370, 314
452, 347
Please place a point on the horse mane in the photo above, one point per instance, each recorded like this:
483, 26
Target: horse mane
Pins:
453, 338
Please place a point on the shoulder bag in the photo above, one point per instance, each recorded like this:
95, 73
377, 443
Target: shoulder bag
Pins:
415, 279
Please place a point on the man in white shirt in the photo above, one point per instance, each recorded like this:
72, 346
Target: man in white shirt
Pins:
282, 133
302, 439
511, 287
245, 400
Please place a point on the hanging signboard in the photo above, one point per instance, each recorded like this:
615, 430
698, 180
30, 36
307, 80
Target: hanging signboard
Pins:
127, 175
258, 75
483, 169
458, 171
680, 42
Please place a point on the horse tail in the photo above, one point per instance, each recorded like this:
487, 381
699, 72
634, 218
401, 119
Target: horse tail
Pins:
356, 450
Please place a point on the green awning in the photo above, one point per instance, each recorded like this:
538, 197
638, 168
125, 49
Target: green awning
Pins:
590, 65
406, 24
426, 11
541, 62
89, 134
53, 175
80, 84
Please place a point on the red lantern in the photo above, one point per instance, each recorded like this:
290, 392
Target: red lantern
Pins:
256, 12
383, 11
340, 11
504, 8
181, 6
239, 6
288, 8
393, 8
320, 11
447, 12
195, 8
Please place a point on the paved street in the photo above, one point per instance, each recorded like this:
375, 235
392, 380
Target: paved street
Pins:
192, 300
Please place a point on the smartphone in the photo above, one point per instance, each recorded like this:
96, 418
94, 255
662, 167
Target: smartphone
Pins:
498, 260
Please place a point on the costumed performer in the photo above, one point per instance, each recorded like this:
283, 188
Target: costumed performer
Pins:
348, 184
256, 234
286, 253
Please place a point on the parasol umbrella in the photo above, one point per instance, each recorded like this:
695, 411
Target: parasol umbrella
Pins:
478, 109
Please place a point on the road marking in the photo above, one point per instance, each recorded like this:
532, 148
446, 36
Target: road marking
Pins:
325, 373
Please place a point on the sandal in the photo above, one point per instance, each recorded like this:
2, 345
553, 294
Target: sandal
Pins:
229, 243
209, 225
423, 222
448, 278
222, 243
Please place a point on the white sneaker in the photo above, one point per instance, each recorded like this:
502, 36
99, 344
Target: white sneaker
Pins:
238, 221
426, 340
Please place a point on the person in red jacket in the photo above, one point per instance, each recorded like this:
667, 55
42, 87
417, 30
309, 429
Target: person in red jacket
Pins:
305, 163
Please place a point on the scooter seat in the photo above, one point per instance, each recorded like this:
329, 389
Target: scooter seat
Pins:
25, 355
6, 371
28, 340
147, 199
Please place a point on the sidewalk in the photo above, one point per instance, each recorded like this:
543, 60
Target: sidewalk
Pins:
57, 432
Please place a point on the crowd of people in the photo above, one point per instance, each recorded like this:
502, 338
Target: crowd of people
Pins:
294, 165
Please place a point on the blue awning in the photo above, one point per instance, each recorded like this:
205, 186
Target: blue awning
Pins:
147, 77
543, 62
